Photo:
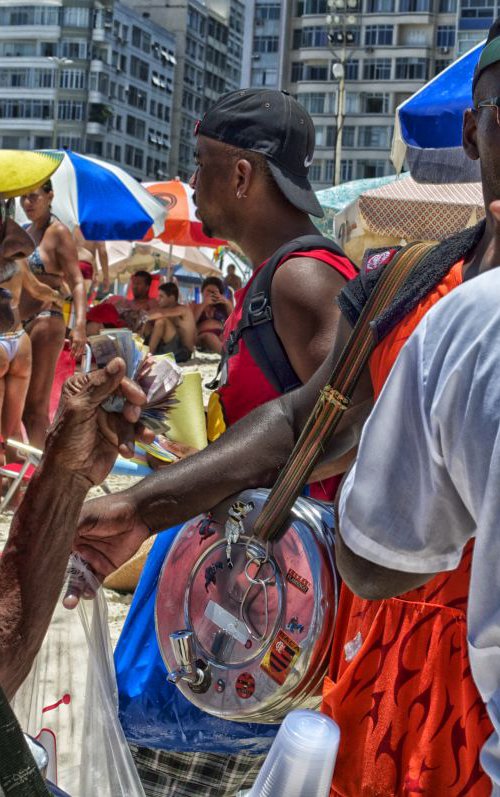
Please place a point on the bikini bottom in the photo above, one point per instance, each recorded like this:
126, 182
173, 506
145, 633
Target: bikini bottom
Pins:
10, 341
42, 314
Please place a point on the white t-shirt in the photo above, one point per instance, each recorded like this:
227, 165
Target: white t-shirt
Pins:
427, 477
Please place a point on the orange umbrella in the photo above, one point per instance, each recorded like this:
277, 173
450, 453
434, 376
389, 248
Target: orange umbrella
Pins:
182, 226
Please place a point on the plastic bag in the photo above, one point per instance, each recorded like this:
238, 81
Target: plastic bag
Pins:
153, 712
69, 702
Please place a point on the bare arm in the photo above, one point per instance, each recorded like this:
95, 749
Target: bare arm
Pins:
80, 451
36, 289
104, 262
250, 454
33, 565
306, 315
68, 259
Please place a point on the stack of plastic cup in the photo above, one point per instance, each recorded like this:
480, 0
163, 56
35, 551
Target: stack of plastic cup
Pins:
302, 757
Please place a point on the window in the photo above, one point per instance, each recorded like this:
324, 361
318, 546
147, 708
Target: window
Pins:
346, 170
137, 98
311, 7
352, 102
317, 102
441, 64
325, 136
445, 36
139, 68
267, 11
74, 49
136, 127
368, 169
302, 71
447, 6
375, 103
118, 153
71, 111
414, 6
297, 71
73, 79
412, 68
348, 136
12, 48
311, 37
375, 137
265, 44
377, 69
315, 173
26, 109
29, 15
468, 39
379, 6
68, 142
264, 77
134, 157
378, 35
479, 9
75, 17
329, 171
352, 70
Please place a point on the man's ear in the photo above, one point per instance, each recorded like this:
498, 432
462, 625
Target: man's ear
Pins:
469, 134
244, 172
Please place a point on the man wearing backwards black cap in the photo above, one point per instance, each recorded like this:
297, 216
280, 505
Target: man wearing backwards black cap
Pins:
254, 451
254, 149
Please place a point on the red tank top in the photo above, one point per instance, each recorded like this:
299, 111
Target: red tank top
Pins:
246, 386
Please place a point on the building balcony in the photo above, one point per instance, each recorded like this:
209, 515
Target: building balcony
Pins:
28, 125
24, 32
96, 129
100, 35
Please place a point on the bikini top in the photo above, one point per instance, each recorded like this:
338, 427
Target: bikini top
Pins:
35, 261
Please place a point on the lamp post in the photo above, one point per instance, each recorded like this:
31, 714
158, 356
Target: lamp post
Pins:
58, 64
340, 34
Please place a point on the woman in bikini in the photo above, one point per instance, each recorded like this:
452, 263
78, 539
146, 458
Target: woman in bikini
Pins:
54, 263
15, 348
211, 315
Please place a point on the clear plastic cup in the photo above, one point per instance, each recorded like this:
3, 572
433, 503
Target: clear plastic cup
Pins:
302, 757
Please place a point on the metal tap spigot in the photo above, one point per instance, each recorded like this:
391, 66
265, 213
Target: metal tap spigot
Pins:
183, 649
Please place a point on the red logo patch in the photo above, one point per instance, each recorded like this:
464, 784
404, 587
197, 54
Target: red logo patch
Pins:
379, 259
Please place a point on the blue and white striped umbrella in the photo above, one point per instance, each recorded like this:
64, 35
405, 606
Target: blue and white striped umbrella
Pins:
428, 129
106, 202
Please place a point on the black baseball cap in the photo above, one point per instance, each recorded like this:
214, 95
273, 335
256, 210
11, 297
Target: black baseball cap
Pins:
490, 54
275, 125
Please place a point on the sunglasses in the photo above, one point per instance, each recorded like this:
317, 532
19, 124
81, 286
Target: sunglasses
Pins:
491, 102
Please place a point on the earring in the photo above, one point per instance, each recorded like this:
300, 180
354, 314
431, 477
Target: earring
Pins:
239, 195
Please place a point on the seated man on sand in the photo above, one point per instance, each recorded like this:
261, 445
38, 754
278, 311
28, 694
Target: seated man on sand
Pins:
175, 331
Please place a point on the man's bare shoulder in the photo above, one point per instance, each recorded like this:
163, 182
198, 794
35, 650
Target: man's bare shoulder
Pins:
304, 277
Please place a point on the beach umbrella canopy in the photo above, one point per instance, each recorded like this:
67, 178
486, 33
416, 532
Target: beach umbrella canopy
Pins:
105, 201
428, 126
182, 225
405, 210
125, 257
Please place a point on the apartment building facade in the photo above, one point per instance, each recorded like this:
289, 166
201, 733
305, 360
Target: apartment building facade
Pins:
96, 79
394, 47
209, 42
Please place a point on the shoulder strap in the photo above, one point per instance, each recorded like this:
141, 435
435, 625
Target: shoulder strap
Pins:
336, 396
256, 325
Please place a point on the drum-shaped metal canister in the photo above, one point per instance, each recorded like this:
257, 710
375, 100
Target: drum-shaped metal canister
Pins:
261, 629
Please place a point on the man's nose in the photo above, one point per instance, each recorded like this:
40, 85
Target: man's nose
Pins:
192, 179
16, 242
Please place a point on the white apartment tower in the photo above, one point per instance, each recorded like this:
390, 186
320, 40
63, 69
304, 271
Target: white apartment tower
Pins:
93, 77
393, 47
